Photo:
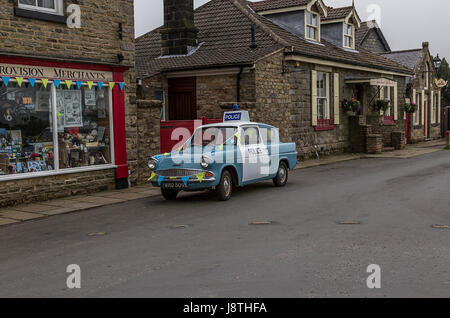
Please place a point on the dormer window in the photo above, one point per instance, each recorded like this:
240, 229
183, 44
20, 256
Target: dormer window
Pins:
45, 6
349, 36
312, 26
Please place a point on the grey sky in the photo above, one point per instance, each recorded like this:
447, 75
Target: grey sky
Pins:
405, 23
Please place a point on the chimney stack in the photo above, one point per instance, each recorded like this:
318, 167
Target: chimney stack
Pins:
179, 33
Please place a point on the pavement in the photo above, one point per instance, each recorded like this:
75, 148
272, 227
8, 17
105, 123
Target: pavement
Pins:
313, 238
27, 212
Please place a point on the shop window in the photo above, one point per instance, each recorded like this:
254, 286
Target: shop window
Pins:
312, 26
83, 127
349, 39
45, 6
26, 134
31, 141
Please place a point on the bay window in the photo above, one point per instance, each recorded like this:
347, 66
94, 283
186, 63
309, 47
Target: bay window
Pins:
45, 129
46, 6
312, 26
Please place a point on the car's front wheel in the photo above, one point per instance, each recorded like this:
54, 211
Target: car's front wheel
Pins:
225, 187
282, 175
169, 194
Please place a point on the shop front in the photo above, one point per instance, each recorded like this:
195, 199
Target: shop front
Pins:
59, 118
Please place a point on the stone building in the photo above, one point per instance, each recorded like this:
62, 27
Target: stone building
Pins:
425, 123
370, 37
292, 64
67, 98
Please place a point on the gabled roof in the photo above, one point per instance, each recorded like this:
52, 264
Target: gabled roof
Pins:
362, 32
409, 58
344, 13
277, 4
224, 33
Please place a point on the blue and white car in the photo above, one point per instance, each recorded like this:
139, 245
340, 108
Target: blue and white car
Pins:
222, 156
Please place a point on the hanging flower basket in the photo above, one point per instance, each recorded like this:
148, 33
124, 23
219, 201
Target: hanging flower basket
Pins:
351, 106
411, 108
381, 105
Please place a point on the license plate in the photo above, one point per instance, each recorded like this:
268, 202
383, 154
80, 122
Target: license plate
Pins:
173, 185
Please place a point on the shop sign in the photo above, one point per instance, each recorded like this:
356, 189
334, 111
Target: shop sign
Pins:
382, 82
13, 70
440, 83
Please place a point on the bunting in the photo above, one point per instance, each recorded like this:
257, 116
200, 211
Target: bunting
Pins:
57, 83
160, 179
68, 83
90, 84
19, 81
32, 81
111, 85
200, 176
44, 82
152, 176
185, 180
79, 84
121, 85
100, 85
5, 80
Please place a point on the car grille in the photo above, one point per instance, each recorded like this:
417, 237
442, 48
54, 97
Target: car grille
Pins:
179, 172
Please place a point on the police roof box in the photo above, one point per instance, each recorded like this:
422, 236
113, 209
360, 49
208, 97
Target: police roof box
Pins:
239, 115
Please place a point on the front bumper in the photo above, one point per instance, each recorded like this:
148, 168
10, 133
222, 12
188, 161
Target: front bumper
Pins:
177, 175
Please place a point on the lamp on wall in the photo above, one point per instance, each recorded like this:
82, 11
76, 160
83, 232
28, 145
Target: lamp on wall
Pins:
437, 63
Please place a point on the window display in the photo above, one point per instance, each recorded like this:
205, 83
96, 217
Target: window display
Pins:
26, 138
83, 126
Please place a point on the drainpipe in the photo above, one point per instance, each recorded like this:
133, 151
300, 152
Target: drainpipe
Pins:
238, 84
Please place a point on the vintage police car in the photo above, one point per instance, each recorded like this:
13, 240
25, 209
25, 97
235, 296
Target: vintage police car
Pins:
221, 156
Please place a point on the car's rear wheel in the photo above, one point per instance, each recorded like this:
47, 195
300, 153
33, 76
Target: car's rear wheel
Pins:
225, 188
282, 175
169, 194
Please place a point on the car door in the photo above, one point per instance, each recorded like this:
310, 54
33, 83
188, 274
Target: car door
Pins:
254, 154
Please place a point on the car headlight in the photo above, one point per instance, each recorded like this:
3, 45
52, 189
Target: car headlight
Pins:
152, 164
206, 162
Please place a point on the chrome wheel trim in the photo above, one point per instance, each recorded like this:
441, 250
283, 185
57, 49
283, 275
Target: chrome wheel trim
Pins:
227, 185
282, 174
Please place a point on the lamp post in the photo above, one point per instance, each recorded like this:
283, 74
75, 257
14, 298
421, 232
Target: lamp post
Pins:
437, 63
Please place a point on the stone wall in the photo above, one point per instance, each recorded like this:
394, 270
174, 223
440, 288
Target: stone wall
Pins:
373, 43
38, 189
148, 143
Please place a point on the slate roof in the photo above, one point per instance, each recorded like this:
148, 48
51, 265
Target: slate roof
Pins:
277, 4
337, 13
363, 30
224, 33
408, 58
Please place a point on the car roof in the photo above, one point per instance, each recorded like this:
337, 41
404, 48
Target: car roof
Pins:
234, 124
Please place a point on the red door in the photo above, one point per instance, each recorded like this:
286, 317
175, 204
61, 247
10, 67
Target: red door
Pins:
182, 98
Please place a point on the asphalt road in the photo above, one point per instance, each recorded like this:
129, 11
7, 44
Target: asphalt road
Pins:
197, 247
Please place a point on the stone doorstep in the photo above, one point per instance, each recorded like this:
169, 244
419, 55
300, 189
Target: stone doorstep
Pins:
19, 215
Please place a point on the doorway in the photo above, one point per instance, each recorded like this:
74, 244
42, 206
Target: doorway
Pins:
182, 98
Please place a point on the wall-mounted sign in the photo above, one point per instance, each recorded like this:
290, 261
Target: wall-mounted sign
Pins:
382, 82
440, 83
12, 70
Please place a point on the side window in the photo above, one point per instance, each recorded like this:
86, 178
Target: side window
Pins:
46, 6
268, 134
251, 136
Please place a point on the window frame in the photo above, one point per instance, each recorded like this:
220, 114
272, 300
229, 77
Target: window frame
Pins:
416, 116
57, 11
327, 122
426, 84
315, 27
345, 35
57, 170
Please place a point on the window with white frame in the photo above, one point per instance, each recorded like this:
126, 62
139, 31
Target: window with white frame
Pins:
417, 112
434, 108
46, 6
427, 76
387, 97
312, 26
323, 95
349, 36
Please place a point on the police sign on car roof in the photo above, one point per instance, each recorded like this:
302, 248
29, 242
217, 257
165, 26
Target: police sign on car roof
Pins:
241, 115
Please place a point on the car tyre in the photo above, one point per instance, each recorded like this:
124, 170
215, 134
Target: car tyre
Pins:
282, 175
225, 188
169, 194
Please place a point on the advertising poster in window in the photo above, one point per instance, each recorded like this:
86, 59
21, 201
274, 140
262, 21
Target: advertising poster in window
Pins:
73, 114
